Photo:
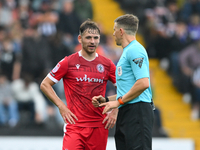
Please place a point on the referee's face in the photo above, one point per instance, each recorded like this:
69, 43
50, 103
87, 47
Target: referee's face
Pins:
90, 40
117, 35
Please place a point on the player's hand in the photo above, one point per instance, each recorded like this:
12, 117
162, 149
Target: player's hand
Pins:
109, 106
97, 100
111, 119
67, 115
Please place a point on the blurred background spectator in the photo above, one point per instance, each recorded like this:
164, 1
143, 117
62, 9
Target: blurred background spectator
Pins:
84, 9
46, 19
9, 114
36, 56
189, 62
189, 8
69, 23
27, 94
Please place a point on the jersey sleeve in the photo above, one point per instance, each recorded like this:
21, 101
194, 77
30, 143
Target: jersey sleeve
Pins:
139, 64
112, 76
59, 70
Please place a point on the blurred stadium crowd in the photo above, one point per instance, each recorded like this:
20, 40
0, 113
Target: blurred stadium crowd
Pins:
36, 34
171, 31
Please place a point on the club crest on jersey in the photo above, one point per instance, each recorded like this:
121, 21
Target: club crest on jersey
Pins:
138, 61
100, 68
77, 66
119, 70
55, 69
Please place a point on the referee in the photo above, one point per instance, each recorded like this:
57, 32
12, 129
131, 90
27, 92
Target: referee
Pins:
134, 97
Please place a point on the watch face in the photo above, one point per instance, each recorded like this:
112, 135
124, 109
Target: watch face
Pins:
120, 100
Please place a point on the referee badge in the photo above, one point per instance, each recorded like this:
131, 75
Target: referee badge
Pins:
119, 70
138, 61
100, 68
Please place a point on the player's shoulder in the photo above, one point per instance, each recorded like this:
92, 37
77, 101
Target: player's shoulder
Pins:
68, 59
103, 57
106, 62
72, 56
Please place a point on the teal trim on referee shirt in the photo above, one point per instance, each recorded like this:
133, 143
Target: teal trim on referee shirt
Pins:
133, 65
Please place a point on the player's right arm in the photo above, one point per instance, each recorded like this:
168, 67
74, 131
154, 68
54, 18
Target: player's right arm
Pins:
47, 89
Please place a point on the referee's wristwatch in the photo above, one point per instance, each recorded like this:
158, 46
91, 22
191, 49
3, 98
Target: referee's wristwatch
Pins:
120, 100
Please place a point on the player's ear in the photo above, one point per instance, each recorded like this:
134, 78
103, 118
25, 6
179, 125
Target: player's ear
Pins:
79, 38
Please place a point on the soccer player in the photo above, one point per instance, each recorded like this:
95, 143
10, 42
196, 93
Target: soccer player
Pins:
85, 74
134, 97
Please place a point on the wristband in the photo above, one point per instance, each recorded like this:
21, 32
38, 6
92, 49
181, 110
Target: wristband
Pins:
120, 100
107, 99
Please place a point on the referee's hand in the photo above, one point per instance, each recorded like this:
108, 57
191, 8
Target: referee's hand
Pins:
109, 106
110, 119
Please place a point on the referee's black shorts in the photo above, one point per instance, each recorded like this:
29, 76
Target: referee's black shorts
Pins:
134, 127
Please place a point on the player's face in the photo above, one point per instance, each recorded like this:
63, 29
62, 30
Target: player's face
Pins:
117, 34
90, 40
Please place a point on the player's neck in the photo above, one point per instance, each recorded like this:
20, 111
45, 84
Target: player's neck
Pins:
88, 56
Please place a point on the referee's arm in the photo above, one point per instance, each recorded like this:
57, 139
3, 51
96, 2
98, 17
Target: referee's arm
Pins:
140, 86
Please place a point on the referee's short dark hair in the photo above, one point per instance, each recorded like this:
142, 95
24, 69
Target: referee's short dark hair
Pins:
128, 22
